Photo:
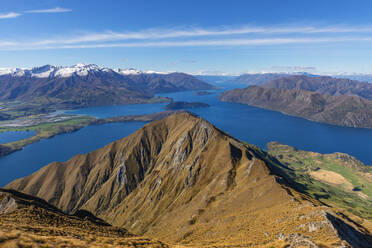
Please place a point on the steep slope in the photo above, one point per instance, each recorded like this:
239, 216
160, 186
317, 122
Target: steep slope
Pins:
182, 180
350, 111
27, 221
323, 85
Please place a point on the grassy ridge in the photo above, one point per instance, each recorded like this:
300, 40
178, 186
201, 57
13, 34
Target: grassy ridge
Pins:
357, 200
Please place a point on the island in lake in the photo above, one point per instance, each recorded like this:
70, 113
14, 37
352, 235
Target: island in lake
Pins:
185, 105
203, 93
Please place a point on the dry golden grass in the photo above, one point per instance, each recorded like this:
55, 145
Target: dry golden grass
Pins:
331, 177
32, 223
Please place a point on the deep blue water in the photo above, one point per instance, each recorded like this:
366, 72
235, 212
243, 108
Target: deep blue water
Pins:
61, 148
110, 111
250, 124
7, 137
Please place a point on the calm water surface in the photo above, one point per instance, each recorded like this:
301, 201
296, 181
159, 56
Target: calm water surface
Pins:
7, 137
251, 124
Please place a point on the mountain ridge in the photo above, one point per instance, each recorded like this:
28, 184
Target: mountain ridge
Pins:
262, 78
323, 85
180, 179
67, 71
48, 88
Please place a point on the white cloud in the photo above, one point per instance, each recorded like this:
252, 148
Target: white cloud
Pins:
53, 10
154, 33
7, 44
188, 43
9, 15
297, 68
216, 42
15, 14
187, 37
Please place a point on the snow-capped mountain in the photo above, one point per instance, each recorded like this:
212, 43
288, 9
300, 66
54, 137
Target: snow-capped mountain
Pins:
12, 71
91, 85
49, 71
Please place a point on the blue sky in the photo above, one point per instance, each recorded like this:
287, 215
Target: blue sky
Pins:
191, 36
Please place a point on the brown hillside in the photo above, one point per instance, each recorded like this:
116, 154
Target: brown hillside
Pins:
182, 180
27, 221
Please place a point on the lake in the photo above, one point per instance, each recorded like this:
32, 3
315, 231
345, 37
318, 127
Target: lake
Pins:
250, 124
7, 137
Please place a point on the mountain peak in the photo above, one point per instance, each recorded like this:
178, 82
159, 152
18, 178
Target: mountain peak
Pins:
47, 71
180, 179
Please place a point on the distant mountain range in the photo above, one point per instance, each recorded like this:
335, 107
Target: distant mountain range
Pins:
256, 79
172, 82
350, 111
90, 85
323, 85
262, 78
336, 101
181, 180
355, 76
216, 79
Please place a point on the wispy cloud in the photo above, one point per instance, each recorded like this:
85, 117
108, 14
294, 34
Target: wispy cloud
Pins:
53, 10
16, 14
189, 43
216, 42
148, 34
202, 37
292, 68
7, 44
9, 15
